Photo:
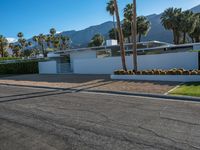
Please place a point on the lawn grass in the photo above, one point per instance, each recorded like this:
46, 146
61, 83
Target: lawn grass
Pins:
188, 89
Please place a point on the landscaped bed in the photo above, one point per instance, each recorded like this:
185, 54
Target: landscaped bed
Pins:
158, 72
174, 75
188, 89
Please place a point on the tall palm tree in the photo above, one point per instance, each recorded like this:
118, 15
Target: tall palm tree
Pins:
20, 35
195, 35
143, 26
134, 35
128, 12
121, 37
23, 42
15, 49
64, 42
3, 45
97, 40
41, 42
171, 21
52, 31
111, 9
188, 23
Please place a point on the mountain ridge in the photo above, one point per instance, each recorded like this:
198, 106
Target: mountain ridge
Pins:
82, 37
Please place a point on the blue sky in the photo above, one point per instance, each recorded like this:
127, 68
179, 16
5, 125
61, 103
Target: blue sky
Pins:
37, 16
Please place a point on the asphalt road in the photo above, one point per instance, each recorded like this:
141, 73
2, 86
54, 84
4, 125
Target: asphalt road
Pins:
39, 119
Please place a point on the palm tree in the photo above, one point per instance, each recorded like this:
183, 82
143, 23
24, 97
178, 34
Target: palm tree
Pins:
195, 35
126, 27
65, 42
3, 45
23, 42
112, 33
20, 35
48, 40
97, 40
52, 31
171, 21
15, 49
111, 9
41, 42
128, 12
134, 35
143, 26
188, 23
121, 37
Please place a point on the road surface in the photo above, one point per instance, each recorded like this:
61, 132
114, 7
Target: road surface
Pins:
33, 119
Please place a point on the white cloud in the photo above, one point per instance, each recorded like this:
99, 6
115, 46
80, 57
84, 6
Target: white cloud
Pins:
11, 40
57, 32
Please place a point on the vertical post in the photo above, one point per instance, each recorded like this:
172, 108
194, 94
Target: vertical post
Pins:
134, 35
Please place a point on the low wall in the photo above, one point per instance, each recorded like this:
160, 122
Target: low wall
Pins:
185, 60
171, 78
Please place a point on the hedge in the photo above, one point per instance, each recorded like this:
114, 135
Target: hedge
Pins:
9, 58
26, 67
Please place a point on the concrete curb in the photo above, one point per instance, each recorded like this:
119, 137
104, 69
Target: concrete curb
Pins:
184, 98
151, 95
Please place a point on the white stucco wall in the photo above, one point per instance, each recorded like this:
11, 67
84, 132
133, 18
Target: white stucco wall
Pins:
186, 60
49, 67
79, 55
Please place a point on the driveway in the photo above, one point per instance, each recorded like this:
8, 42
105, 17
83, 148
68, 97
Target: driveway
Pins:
89, 82
35, 119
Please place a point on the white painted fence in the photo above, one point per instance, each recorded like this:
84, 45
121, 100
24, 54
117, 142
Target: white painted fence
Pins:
186, 60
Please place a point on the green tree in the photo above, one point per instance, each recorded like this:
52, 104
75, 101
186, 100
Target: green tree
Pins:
188, 23
112, 33
171, 19
3, 45
52, 31
41, 41
195, 35
128, 12
143, 26
97, 40
111, 9
16, 48
126, 27
64, 42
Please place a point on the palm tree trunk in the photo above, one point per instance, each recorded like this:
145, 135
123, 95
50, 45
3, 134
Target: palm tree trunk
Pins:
140, 37
114, 27
121, 37
134, 36
184, 37
1, 50
174, 36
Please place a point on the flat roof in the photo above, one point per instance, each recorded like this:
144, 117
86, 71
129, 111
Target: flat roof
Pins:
165, 45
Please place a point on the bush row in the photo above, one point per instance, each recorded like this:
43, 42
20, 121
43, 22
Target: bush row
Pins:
26, 67
9, 58
158, 72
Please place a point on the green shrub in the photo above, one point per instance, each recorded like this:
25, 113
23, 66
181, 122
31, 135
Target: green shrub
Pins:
26, 67
9, 58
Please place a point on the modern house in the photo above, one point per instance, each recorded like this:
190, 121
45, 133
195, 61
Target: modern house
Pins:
106, 59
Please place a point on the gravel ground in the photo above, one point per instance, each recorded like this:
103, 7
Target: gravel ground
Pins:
36, 119
93, 82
